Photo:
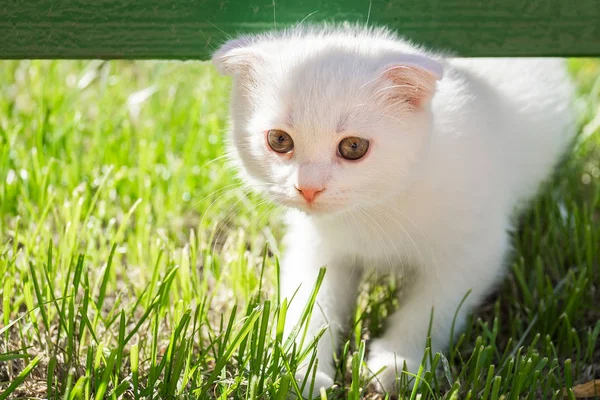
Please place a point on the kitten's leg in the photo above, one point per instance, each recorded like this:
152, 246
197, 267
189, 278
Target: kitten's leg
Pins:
335, 301
442, 290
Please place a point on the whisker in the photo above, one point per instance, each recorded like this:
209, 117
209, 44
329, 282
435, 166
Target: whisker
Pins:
376, 232
415, 88
226, 187
307, 17
216, 200
394, 118
230, 214
228, 36
406, 232
212, 161
392, 241
432, 251
404, 269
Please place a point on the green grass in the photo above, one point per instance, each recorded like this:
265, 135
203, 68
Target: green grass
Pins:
134, 265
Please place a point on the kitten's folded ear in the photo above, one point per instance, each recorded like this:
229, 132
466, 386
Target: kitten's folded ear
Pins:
236, 57
413, 78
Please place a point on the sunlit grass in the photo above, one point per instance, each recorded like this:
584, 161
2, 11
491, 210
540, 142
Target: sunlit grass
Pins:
134, 264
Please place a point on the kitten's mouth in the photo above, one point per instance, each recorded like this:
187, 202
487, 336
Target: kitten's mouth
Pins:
318, 206
314, 208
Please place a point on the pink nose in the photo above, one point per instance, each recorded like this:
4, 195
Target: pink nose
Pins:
309, 193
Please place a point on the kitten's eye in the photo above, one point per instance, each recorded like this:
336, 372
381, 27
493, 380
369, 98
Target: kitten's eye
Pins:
353, 148
280, 141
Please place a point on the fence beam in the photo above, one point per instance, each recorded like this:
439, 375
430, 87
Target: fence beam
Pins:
190, 29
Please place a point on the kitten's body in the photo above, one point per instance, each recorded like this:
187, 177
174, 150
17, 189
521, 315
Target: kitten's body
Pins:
432, 202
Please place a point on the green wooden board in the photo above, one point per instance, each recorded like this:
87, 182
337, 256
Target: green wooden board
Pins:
191, 29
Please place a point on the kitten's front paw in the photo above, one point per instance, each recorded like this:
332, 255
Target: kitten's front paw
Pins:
388, 367
384, 366
322, 380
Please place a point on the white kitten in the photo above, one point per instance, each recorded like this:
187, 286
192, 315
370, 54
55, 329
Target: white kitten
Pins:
440, 153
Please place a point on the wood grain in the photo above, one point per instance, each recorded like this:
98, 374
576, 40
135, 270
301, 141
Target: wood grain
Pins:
191, 29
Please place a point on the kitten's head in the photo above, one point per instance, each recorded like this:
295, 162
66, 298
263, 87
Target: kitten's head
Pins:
327, 121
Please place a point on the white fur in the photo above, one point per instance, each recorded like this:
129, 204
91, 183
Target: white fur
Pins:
432, 201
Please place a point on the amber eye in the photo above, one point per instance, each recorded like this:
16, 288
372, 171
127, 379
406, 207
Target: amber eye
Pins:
280, 141
353, 148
